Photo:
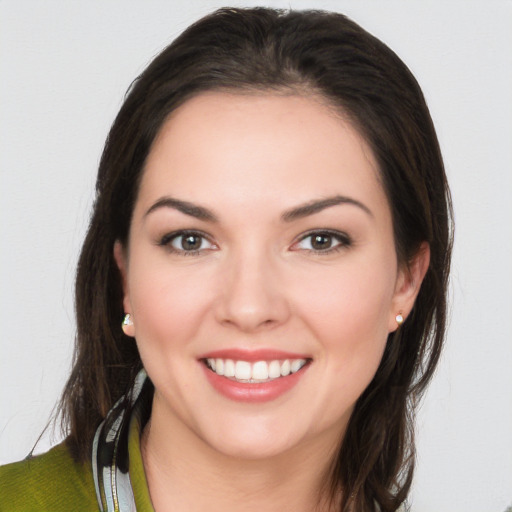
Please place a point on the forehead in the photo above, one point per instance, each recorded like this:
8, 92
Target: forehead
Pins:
260, 147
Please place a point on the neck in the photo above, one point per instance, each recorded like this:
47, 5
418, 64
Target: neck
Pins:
183, 471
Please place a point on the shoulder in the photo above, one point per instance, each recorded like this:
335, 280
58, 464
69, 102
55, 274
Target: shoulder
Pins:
51, 481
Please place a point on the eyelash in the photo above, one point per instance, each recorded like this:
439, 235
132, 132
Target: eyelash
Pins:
343, 240
166, 241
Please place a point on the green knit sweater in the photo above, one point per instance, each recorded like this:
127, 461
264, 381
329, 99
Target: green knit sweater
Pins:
54, 482
49, 482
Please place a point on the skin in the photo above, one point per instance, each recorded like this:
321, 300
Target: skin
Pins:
257, 282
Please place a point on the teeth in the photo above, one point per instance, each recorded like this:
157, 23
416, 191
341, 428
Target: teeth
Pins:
296, 365
242, 370
260, 371
274, 370
229, 368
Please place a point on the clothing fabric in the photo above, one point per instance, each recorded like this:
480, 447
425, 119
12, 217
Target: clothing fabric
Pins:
49, 482
112, 466
55, 482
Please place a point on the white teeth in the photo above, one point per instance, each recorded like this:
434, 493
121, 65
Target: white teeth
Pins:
229, 368
260, 371
274, 370
242, 370
296, 365
285, 368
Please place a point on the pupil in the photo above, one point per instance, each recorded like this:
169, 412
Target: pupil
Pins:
191, 242
321, 241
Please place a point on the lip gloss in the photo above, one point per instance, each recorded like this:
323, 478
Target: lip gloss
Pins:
253, 392
256, 392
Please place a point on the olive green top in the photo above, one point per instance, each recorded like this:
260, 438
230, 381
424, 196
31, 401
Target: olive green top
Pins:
54, 482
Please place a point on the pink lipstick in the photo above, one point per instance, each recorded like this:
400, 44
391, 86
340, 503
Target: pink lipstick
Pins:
254, 376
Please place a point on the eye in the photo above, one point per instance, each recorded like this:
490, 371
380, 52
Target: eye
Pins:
322, 241
186, 242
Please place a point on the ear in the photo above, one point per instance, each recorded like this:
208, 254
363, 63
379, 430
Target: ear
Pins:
408, 283
122, 264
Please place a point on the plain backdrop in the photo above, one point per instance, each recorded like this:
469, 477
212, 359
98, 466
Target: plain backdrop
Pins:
64, 68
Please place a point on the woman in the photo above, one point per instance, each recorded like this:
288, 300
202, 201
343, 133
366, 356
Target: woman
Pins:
261, 294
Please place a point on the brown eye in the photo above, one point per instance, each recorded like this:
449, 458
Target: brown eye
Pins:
190, 242
322, 242
186, 242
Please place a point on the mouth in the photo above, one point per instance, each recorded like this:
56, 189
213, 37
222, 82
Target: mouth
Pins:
254, 376
257, 372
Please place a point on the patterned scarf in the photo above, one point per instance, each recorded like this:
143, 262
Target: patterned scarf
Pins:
110, 460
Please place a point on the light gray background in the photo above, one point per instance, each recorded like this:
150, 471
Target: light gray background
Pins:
64, 67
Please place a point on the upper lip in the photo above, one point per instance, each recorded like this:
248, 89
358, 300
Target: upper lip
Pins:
261, 354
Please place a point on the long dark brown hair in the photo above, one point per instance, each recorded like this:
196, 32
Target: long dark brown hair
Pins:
310, 52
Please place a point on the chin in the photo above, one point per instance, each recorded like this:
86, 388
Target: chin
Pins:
252, 449
252, 439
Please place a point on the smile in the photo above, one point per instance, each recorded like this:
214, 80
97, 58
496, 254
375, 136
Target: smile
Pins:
254, 372
254, 376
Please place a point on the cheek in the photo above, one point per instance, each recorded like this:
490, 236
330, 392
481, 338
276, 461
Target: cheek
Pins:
168, 303
348, 311
350, 301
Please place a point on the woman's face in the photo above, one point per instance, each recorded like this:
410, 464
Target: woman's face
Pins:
261, 272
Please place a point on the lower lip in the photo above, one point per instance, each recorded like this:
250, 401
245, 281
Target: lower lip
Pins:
253, 392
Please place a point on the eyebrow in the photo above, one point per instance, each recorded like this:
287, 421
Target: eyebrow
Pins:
313, 207
199, 212
304, 210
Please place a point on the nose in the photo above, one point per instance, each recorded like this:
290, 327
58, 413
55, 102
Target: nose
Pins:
252, 293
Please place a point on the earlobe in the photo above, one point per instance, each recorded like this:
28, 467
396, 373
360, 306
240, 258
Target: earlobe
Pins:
408, 285
120, 259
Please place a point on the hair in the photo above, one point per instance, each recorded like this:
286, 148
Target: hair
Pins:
297, 52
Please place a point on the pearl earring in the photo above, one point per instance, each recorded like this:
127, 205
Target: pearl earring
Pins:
127, 323
399, 319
